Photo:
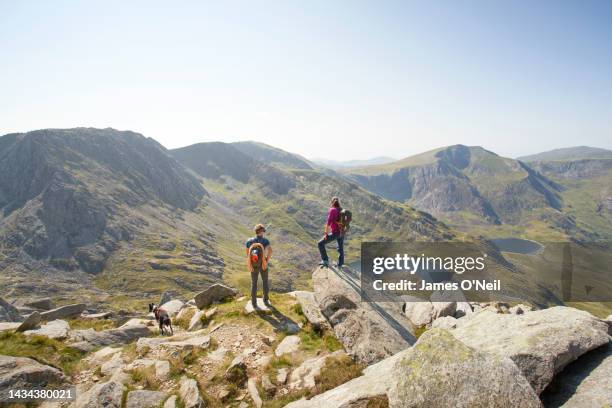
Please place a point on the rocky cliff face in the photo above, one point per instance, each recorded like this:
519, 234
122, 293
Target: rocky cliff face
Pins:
69, 197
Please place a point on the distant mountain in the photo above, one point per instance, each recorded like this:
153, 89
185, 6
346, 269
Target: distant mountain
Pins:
569, 153
272, 155
460, 181
477, 191
336, 164
72, 199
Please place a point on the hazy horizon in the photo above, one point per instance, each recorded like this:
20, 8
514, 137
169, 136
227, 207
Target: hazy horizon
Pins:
338, 81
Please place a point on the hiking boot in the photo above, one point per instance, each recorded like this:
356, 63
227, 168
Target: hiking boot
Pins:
324, 263
267, 302
255, 306
338, 265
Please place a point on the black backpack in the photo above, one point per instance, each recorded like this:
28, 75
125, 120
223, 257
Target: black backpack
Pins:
345, 220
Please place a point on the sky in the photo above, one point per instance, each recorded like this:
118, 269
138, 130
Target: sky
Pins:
326, 79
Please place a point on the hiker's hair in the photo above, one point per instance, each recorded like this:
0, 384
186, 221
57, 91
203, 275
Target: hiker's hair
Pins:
335, 202
259, 227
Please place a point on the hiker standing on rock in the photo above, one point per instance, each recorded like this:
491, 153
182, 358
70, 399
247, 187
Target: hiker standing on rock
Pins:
335, 229
258, 252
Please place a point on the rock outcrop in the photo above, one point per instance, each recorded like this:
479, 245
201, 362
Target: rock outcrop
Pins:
585, 383
25, 373
145, 399
104, 395
541, 342
311, 311
64, 312
31, 322
369, 331
439, 371
214, 293
55, 329
190, 393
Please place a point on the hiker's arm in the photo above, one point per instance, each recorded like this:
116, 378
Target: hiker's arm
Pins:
269, 253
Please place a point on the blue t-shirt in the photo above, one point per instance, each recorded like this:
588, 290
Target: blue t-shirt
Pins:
260, 240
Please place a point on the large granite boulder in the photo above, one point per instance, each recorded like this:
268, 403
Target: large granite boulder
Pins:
145, 399
31, 322
173, 307
585, 383
439, 371
420, 313
541, 342
212, 294
40, 303
103, 395
55, 329
311, 310
190, 393
25, 373
369, 332
64, 312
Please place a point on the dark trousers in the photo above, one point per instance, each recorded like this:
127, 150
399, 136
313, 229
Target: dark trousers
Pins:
340, 245
264, 278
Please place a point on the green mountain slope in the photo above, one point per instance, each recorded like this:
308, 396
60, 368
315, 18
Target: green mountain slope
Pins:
295, 214
569, 153
472, 189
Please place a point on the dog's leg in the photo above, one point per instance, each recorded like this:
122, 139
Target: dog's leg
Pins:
171, 330
161, 327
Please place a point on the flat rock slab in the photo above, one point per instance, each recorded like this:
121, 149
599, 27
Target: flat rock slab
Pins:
56, 329
289, 344
261, 307
87, 340
96, 316
145, 399
64, 312
188, 341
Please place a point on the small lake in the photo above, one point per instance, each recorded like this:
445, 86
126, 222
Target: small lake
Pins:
517, 245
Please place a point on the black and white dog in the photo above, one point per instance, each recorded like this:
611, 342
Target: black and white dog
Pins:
162, 318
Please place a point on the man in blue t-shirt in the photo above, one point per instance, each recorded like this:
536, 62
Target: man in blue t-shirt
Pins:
259, 251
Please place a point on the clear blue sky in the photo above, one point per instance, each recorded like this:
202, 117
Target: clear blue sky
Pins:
332, 79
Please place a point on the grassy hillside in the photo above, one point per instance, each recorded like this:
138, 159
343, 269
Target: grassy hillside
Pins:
474, 190
569, 153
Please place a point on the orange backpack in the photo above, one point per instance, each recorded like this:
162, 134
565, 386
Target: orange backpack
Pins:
256, 257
